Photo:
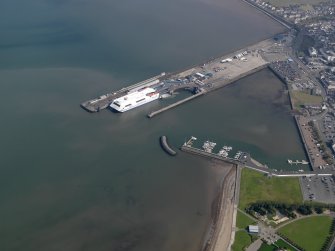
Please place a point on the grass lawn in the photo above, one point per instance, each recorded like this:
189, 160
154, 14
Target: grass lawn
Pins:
243, 221
301, 98
274, 247
242, 240
266, 247
309, 233
256, 186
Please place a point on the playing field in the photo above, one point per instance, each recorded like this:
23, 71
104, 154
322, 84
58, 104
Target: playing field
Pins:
300, 98
256, 186
309, 233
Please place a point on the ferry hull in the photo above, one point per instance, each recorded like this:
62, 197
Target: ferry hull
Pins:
124, 109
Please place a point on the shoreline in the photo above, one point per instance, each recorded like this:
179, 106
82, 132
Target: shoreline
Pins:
219, 233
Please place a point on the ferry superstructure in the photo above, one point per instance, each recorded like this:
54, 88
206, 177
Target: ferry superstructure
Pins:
134, 99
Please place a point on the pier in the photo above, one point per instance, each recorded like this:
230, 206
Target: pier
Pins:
200, 79
102, 102
152, 114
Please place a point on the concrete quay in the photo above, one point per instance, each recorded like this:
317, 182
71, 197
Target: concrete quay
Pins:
203, 78
299, 124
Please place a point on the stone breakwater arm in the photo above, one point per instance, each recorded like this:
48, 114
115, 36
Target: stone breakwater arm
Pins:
166, 147
152, 114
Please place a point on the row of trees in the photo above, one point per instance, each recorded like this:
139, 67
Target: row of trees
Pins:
270, 208
330, 237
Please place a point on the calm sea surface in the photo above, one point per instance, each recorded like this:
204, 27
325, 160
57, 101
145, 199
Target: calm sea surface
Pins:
71, 180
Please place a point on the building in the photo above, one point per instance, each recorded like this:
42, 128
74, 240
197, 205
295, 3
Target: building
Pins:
253, 229
331, 90
312, 52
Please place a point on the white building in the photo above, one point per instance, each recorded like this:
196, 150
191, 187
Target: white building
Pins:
253, 229
312, 52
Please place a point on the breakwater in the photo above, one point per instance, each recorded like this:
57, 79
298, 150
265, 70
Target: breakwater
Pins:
166, 147
152, 114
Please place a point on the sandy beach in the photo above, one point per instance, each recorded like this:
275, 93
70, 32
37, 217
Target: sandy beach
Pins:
219, 237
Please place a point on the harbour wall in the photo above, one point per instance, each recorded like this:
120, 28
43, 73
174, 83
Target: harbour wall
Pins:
304, 142
215, 86
302, 138
271, 15
283, 79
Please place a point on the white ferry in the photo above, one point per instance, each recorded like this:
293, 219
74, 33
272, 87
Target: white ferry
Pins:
134, 99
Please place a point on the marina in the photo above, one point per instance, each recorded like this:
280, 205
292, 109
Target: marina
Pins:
223, 154
302, 162
244, 159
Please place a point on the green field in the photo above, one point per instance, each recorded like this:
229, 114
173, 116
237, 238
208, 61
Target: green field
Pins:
309, 233
284, 3
256, 186
274, 247
242, 240
300, 98
243, 221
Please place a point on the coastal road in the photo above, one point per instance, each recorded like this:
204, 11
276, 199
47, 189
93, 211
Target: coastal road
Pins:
237, 199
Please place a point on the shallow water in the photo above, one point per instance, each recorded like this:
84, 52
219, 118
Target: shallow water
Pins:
71, 180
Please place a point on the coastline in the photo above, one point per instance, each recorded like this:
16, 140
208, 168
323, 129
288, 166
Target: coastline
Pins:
217, 235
